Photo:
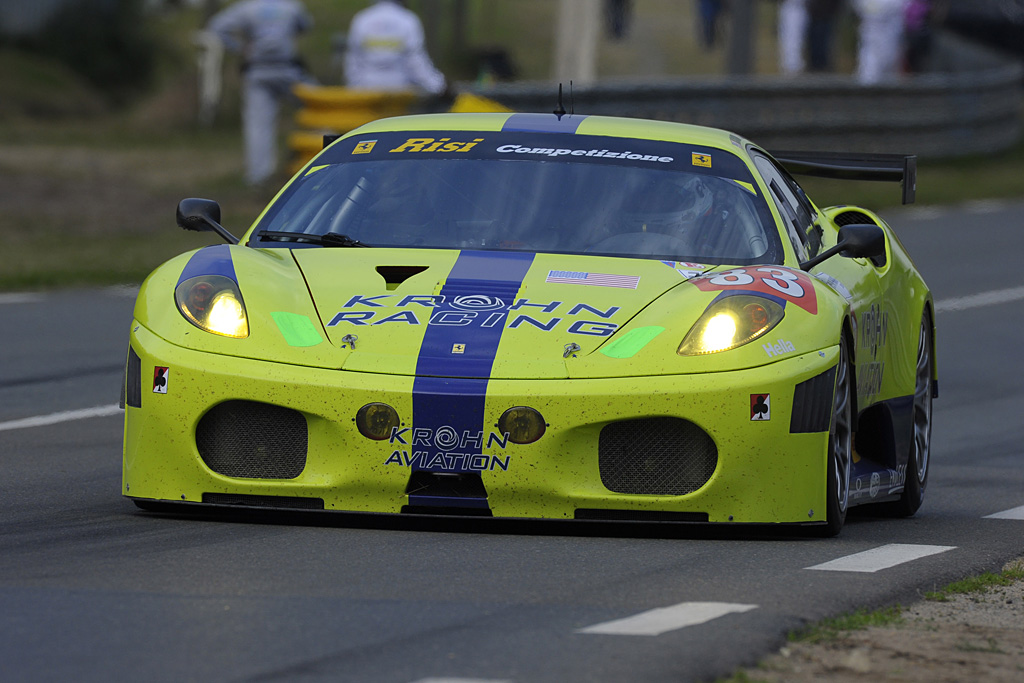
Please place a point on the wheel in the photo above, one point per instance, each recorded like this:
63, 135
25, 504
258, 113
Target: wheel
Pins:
840, 447
920, 445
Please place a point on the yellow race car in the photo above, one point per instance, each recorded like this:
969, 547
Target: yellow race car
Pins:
540, 316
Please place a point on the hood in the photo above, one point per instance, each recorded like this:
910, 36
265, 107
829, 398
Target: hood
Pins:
479, 314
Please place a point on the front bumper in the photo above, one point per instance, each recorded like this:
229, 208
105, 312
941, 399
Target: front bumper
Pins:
766, 471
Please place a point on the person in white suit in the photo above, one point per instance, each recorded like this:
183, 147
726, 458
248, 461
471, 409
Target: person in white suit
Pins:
385, 51
880, 42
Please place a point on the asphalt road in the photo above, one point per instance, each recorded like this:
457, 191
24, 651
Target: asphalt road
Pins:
93, 589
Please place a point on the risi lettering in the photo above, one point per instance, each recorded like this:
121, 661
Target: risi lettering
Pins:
413, 145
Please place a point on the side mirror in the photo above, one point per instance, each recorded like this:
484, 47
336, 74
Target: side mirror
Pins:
855, 241
202, 215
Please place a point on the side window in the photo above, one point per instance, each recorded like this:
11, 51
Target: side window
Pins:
796, 211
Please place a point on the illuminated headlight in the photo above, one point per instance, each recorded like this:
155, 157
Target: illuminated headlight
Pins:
376, 420
522, 424
213, 303
730, 322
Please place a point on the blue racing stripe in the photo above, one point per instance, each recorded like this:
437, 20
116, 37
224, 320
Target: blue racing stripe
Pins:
455, 362
542, 123
215, 260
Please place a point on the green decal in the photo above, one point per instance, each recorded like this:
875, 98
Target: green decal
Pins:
297, 330
630, 343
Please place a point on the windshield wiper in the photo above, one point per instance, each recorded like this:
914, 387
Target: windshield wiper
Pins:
331, 239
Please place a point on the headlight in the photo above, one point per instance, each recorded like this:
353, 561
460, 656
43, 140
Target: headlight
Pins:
213, 303
730, 322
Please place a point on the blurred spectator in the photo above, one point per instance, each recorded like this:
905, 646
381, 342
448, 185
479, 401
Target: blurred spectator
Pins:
708, 13
820, 32
385, 51
806, 24
880, 40
618, 14
265, 33
793, 24
918, 26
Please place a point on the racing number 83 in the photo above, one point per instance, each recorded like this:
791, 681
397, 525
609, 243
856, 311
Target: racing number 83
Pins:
782, 282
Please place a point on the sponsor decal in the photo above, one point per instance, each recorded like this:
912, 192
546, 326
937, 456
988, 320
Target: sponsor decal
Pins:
297, 330
364, 147
869, 379
698, 159
785, 283
458, 348
874, 329
835, 284
686, 269
445, 449
436, 145
569, 277
876, 481
760, 407
476, 312
779, 348
599, 153
160, 379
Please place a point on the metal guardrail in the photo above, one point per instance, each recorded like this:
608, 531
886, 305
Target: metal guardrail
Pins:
970, 105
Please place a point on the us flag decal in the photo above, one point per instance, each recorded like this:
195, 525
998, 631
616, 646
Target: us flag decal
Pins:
569, 277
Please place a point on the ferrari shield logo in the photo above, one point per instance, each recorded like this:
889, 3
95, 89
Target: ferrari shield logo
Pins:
698, 159
458, 348
364, 147
760, 407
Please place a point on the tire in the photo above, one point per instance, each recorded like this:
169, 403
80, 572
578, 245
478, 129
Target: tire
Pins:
840, 447
919, 457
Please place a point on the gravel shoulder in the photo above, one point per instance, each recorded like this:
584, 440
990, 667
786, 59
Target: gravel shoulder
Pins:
976, 636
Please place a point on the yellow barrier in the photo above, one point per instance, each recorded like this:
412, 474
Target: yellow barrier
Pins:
336, 110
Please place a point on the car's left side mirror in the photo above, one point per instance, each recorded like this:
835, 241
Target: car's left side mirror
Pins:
202, 215
855, 241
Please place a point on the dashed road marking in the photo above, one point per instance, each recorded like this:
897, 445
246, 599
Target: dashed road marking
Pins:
57, 418
664, 619
882, 557
1015, 513
991, 298
27, 298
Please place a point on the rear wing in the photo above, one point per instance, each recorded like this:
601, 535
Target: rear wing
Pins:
900, 168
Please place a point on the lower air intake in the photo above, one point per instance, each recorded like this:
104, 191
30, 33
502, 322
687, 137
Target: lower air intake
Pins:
665, 456
252, 440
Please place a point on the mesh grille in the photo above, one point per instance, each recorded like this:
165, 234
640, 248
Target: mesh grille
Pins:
253, 440
664, 456
853, 218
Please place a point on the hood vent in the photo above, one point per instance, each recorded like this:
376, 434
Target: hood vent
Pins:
396, 275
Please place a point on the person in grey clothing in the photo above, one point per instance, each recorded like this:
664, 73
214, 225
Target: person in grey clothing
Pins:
265, 33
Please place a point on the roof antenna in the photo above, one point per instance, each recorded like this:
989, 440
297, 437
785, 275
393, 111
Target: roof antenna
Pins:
560, 112
572, 100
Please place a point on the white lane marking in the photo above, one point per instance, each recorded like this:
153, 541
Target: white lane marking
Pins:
998, 296
882, 557
664, 619
1015, 513
26, 298
56, 418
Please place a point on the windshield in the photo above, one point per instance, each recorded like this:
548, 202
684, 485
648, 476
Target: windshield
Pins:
532, 201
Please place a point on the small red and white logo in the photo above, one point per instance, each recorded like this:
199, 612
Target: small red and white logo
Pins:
760, 407
160, 380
